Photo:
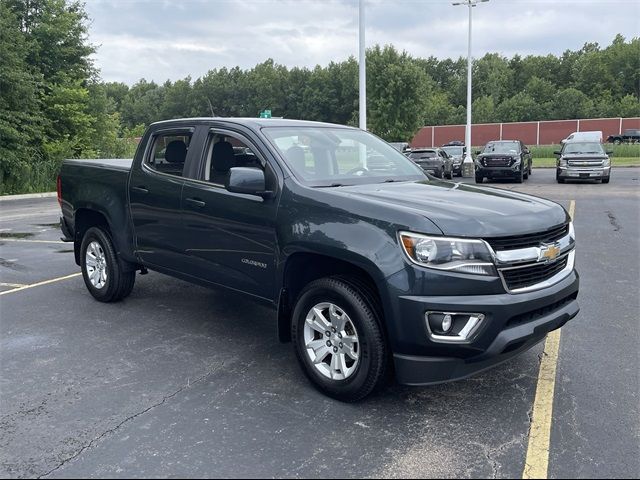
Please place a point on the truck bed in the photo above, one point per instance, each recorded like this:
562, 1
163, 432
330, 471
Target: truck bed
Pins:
110, 163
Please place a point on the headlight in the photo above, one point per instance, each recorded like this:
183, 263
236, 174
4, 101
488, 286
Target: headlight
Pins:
607, 162
452, 254
562, 162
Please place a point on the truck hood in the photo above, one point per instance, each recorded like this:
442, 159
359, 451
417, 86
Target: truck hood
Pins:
466, 210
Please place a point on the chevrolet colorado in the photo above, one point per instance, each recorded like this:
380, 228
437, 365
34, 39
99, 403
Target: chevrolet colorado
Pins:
372, 266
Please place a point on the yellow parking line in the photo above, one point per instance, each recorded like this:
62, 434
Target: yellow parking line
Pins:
537, 462
28, 240
39, 284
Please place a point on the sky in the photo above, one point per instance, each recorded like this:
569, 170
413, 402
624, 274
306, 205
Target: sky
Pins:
171, 39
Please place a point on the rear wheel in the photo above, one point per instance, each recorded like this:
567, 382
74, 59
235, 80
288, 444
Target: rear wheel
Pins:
479, 178
338, 339
103, 274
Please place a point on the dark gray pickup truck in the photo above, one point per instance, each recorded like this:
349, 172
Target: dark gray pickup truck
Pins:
373, 266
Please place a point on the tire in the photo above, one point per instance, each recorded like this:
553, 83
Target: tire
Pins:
449, 176
438, 173
479, 178
606, 179
617, 141
520, 177
559, 179
114, 284
360, 377
525, 175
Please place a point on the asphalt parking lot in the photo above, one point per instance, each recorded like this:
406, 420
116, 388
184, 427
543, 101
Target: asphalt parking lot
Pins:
180, 381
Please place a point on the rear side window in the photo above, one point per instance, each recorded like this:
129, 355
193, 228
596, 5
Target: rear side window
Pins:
169, 153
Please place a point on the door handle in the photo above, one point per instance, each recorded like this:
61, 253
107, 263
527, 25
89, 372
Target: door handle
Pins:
140, 189
196, 202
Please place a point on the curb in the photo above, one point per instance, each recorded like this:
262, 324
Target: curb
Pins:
28, 196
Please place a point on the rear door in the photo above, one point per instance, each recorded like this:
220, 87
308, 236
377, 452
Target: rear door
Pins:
155, 189
230, 238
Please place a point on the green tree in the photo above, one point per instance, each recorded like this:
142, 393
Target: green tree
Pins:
21, 123
397, 93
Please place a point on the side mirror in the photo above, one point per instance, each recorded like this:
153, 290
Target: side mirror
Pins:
250, 181
477, 152
609, 152
557, 153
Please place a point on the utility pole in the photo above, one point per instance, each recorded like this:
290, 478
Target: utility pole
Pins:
362, 70
467, 163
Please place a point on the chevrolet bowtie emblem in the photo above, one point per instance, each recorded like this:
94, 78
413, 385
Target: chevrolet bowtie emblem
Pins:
548, 253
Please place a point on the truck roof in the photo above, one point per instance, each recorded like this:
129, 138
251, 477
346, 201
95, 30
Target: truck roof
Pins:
252, 122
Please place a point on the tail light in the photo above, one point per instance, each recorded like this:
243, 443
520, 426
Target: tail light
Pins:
59, 185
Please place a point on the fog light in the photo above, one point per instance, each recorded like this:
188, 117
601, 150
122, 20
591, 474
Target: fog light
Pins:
447, 322
453, 327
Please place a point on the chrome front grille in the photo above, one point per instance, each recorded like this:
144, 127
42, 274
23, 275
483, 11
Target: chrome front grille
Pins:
535, 261
585, 163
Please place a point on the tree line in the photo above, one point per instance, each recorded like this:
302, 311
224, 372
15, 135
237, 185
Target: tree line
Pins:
53, 104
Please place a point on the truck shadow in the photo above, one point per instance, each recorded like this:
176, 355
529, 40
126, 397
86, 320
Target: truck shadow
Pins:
260, 391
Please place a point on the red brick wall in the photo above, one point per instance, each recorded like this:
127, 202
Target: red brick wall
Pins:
526, 132
551, 132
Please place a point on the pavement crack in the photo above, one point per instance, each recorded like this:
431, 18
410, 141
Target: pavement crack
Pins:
613, 220
97, 439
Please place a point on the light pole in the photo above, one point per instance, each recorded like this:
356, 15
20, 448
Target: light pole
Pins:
467, 163
362, 70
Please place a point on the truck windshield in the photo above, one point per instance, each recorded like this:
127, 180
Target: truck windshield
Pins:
502, 147
333, 157
582, 147
453, 151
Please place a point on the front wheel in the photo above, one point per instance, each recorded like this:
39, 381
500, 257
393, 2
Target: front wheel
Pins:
606, 179
338, 339
520, 178
103, 274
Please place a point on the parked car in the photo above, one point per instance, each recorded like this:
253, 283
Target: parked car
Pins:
367, 269
503, 159
583, 160
628, 136
402, 147
434, 161
454, 143
593, 136
456, 153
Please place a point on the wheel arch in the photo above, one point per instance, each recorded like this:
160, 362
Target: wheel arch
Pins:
301, 268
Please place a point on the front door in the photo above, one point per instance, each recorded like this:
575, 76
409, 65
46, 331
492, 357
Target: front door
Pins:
230, 238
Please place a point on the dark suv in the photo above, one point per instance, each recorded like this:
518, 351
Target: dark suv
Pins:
504, 159
433, 160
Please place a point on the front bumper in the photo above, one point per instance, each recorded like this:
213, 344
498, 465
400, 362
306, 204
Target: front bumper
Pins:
512, 171
513, 324
584, 172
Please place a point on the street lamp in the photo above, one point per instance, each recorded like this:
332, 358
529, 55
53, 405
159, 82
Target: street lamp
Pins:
362, 69
467, 163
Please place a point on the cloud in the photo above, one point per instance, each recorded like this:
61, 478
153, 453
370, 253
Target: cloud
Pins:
171, 39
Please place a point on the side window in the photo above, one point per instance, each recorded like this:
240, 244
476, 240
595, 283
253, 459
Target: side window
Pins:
226, 151
169, 153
